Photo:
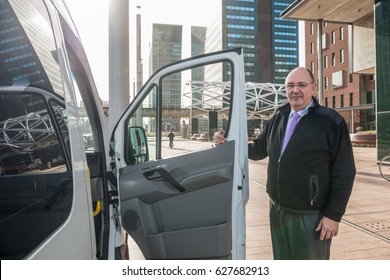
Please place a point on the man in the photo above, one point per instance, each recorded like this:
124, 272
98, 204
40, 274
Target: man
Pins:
171, 136
310, 175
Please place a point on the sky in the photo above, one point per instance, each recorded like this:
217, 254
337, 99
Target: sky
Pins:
92, 25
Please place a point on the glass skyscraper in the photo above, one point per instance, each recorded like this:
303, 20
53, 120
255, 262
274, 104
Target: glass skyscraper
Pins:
270, 44
240, 29
166, 49
285, 47
276, 41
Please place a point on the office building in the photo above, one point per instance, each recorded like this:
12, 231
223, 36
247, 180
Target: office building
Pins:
270, 44
369, 51
351, 94
278, 46
166, 49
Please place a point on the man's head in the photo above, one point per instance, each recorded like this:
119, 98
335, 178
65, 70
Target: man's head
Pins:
300, 87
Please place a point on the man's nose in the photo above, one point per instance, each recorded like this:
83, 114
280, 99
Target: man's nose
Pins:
295, 88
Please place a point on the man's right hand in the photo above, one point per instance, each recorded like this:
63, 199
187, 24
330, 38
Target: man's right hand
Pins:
219, 137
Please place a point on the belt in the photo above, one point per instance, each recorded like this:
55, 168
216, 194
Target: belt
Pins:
303, 212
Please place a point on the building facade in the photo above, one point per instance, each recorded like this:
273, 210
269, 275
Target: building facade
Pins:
240, 29
382, 50
166, 49
198, 44
370, 47
270, 44
278, 44
351, 94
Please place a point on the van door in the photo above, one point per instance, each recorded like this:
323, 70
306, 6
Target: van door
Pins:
187, 201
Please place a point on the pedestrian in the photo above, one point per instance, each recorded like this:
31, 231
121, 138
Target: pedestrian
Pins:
310, 171
171, 136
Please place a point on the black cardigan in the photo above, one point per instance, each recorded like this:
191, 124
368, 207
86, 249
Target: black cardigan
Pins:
317, 168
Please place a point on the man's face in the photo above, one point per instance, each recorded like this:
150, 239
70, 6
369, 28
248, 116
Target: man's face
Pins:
299, 88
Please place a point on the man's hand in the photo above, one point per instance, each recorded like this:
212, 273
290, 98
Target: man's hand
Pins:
328, 228
219, 137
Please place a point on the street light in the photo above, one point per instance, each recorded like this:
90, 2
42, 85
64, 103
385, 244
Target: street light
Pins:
139, 59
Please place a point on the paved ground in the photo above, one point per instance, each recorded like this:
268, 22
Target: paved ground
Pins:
365, 228
364, 231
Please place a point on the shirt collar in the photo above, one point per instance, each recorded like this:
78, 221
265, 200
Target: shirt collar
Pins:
304, 111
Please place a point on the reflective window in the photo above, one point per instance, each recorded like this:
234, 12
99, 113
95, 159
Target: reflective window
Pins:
36, 185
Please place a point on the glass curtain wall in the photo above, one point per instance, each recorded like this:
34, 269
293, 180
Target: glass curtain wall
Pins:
382, 23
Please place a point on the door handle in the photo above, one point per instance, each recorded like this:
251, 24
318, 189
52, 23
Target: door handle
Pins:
159, 173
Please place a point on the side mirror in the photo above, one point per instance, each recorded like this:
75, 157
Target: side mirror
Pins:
137, 148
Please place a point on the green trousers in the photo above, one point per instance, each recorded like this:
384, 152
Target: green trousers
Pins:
294, 237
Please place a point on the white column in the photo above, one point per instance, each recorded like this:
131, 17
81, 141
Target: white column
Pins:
119, 76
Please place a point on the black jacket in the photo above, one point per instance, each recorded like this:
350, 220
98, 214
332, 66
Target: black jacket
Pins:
317, 168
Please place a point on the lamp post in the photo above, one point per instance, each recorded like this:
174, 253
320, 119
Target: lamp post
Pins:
139, 59
139, 79
119, 74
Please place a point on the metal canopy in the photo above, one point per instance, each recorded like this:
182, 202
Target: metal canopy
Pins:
262, 99
343, 11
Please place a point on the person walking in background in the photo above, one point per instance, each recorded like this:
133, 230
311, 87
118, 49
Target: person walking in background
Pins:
310, 173
171, 136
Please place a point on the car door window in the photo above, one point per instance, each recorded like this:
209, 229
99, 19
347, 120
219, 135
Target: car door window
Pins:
191, 110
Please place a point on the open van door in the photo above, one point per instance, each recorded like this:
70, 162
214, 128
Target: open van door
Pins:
186, 202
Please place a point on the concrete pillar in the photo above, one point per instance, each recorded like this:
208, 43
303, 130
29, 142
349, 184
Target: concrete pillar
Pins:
119, 73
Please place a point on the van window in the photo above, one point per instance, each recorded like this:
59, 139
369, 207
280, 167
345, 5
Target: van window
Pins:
36, 187
36, 190
192, 110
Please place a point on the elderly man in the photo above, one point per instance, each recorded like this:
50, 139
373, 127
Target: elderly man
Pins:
311, 171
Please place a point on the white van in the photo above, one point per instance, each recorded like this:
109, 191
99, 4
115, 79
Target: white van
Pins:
69, 190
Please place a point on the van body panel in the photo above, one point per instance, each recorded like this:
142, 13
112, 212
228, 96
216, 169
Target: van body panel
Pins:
69, 190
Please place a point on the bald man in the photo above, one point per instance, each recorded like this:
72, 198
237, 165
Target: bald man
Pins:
311, 171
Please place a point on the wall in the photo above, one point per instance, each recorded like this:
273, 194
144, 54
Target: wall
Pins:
364, 45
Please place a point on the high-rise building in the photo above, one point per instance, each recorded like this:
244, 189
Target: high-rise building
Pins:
285, 44
278, 47
198, 43
166, 49
240, 29
351, 94
270, 44
15, 46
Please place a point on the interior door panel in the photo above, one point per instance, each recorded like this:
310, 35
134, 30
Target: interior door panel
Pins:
186, 201
168, 223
